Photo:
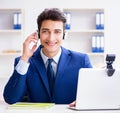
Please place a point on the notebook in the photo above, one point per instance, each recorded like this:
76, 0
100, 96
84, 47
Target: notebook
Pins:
97, 91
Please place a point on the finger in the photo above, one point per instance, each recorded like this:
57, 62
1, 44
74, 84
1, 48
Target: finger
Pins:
31, 38
72, 104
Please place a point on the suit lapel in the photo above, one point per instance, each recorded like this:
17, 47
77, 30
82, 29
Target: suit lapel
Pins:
63, 64
39, 64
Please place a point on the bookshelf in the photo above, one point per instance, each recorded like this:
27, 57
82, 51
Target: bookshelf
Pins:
10, 38
82, 29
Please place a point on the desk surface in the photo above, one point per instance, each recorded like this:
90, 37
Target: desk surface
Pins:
54, 109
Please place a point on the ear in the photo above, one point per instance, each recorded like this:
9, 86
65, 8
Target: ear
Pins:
65, 35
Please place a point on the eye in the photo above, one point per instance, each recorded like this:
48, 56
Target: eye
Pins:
44, 31
57, 31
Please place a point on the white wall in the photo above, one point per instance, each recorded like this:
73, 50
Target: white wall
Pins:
113, 32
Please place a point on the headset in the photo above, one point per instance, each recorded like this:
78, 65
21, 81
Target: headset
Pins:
38, 36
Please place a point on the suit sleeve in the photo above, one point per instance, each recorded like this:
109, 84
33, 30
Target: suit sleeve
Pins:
15, 87
87, 62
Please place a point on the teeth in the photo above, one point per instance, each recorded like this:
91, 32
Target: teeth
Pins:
50, 43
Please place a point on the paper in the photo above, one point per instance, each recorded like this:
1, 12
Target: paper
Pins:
25, 105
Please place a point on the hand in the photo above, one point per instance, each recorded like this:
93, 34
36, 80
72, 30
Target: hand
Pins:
27, 52
72, 104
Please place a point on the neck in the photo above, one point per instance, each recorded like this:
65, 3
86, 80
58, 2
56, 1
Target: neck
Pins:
50, 54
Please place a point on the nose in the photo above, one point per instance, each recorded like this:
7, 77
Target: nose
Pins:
51, 36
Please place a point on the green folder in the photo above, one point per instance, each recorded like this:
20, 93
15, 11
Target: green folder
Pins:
25, 105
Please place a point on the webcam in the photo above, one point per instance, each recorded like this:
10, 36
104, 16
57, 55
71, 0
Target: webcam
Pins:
110, 58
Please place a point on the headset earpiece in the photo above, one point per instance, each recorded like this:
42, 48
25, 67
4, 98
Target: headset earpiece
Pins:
63, 35
38, 34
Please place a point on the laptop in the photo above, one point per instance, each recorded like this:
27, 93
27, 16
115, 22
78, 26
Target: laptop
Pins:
97, 91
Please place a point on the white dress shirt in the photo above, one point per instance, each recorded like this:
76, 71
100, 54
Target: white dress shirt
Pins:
54, 63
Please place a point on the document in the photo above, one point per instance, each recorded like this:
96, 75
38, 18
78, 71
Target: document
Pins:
25, 105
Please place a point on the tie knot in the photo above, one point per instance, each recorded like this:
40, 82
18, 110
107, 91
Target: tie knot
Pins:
50, 60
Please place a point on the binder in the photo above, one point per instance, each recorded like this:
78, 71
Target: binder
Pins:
17, 20
94, 46
98, 43
101, 20
97, 20
68, 20
101, 43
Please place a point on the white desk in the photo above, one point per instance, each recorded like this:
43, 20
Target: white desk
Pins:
53, 109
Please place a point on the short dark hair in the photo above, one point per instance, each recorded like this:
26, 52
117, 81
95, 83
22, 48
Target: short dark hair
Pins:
51, 14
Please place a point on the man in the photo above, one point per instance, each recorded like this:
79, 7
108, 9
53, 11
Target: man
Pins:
31, 74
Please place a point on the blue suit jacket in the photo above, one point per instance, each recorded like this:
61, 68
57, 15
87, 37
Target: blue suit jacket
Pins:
35, 81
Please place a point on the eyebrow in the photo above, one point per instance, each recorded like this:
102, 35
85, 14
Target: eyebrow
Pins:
49, 29
44, 29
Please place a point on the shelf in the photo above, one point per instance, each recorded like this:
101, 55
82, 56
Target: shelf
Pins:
11, 34
10, 9
7, 18
10, 54
10, 31
96, 54
85, 31
80, 29
82, 9
83, 18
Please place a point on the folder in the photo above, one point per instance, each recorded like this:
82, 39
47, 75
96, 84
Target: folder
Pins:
98, 43
94, 49
68, 20
97, 20
26, 105
101, 20
101, 43
17, 20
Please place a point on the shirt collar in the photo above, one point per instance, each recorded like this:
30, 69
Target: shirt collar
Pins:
55, 58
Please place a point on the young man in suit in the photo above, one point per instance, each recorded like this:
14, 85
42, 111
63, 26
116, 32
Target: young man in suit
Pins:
30, 69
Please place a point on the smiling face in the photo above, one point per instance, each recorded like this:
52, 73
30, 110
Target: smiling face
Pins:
51, 36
